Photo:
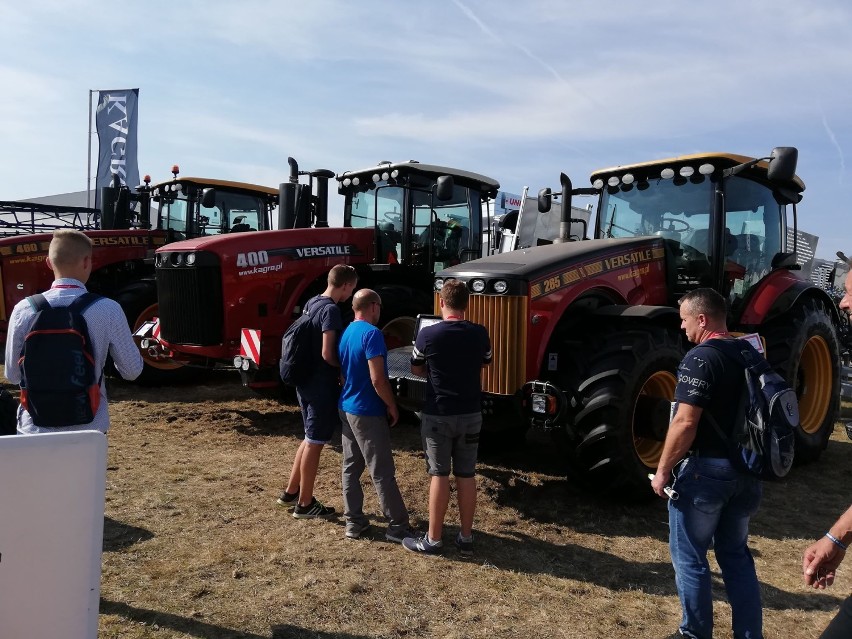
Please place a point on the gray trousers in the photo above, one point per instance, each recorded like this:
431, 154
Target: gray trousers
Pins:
366, 444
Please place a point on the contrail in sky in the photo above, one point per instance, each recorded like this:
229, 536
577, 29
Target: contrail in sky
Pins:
466, 10
836, 145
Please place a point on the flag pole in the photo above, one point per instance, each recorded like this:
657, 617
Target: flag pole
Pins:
89, 164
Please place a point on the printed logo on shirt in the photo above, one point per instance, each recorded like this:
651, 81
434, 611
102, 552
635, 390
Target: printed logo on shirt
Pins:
700, 384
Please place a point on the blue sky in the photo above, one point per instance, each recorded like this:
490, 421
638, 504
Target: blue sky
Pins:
517, 91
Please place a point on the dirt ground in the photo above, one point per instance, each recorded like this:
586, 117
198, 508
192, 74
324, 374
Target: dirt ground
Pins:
194, 545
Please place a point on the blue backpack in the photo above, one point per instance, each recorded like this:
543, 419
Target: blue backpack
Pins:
763, 440
59, 383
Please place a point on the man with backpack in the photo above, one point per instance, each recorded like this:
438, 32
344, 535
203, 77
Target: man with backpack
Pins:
58, 343
318, 394
716, 498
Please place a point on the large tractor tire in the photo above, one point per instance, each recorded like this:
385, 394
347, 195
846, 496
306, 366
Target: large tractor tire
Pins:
626, 407
802, 346
139, 303
399, 331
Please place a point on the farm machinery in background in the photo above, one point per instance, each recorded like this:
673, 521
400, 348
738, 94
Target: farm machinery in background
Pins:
124, 242
229, 299
586, 335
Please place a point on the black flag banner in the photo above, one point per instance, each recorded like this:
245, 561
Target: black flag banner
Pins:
116, 119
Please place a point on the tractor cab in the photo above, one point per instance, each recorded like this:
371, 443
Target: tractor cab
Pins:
723, 217
194, 207
425, 217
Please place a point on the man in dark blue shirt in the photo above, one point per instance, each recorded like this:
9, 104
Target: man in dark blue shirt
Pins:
450, 354
716, 501
319, 394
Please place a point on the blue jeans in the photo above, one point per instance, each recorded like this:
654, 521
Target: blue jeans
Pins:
715, 505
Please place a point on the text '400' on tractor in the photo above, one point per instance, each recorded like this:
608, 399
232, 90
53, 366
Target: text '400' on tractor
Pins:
125, 231
586, 334
229, 299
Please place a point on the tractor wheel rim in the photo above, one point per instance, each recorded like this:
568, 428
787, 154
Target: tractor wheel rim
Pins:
660, 384
399, 331
814, 384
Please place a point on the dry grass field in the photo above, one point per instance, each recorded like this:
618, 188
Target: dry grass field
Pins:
194, 545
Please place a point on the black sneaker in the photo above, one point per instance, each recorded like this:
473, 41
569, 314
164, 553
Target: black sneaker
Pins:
465, 546
423, 545
312, 511
287, 499
397, 535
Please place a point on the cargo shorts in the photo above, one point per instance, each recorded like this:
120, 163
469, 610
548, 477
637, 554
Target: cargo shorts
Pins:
451, 443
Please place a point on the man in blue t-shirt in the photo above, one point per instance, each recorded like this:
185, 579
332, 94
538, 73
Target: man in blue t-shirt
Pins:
367, 407
450, 355
716, 500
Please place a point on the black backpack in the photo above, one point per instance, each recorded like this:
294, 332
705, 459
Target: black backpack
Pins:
8, 413
297, 345
763, 440
59, 383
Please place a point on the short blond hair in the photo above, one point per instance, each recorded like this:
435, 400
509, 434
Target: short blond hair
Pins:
69, 247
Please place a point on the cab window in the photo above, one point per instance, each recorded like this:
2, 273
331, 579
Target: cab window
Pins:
754, 223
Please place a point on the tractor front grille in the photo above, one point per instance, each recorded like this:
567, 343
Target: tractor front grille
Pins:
505, 317
190, 298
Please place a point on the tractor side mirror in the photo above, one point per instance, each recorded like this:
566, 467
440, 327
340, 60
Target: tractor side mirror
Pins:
208, 198
545, 200
444, 188
782, 163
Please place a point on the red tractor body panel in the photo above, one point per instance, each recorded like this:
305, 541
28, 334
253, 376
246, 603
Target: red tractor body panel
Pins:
766, 295
264, 277
631, 273
24, 270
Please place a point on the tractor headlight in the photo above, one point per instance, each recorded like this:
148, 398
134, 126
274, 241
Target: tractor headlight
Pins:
539, 403
477, 286
177, 259
439, 284
500, 287
190, 259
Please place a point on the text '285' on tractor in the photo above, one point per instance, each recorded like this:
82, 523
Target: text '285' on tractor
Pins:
125, 231
586, 334
229, 299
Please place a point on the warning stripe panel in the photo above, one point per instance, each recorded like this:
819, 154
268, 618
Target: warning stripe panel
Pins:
250, 344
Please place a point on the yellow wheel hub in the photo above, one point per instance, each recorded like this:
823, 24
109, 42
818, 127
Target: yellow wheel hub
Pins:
814, 384
661, 385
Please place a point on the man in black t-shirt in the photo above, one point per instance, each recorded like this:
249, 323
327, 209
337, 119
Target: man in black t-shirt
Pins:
716, 501
450, 354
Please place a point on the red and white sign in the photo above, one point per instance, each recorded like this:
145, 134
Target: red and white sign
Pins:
250, 344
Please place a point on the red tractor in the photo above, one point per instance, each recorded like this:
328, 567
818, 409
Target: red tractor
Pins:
229, 299
586, 334
123, 256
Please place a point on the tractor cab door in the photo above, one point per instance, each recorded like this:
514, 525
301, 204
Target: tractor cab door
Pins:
443, 233
220, 211
755, 225
381, 209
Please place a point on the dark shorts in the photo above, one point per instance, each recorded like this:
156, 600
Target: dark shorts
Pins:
451, 442
319, 414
